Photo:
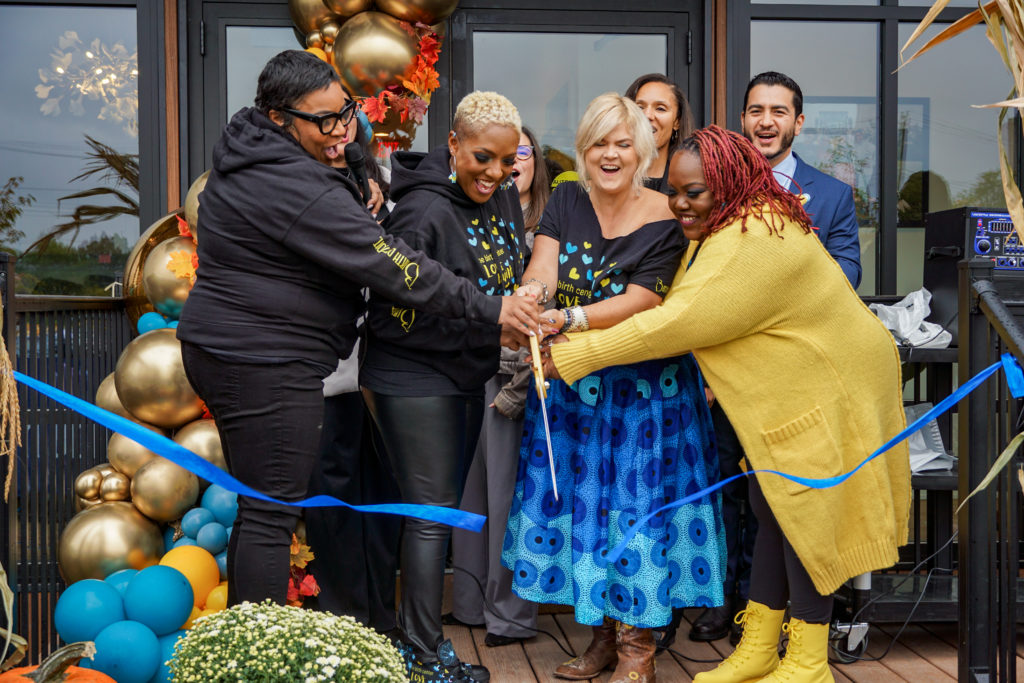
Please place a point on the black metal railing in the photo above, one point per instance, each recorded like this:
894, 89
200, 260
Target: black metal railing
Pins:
71, 343
989, 580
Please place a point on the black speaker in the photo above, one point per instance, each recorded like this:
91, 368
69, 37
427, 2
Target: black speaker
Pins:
956, 234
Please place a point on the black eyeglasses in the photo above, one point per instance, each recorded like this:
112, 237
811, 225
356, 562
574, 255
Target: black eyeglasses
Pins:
327, 122
524, 152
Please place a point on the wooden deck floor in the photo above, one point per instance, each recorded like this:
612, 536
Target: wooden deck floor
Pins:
923, 653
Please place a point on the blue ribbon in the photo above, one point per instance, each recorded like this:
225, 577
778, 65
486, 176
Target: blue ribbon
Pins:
183, 457
1014, 382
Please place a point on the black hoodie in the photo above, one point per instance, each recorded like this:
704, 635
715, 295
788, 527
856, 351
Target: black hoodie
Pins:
285, 246
409, 351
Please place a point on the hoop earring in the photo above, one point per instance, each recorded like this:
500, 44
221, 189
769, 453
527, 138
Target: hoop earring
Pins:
453, 176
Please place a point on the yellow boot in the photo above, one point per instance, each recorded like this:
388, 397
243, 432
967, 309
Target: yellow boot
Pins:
758, 652
806, 659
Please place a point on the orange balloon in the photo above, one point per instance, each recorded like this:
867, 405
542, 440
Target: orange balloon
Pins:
192, 617
198, 566
319, 53
217, 599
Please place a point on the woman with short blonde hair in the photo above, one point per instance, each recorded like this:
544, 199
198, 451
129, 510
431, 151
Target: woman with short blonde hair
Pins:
604, 113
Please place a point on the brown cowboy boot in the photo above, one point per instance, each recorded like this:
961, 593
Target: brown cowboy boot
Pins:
600, 655
636, 655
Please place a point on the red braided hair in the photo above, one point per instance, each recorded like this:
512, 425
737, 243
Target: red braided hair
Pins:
741, 180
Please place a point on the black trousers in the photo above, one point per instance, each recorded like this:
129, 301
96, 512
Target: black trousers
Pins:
430, 443
737, 517
356, 553
778, 575
269, 417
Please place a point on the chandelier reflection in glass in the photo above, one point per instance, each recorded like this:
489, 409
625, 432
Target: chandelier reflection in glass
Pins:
107, 75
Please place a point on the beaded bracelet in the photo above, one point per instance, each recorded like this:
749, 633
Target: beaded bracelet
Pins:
567, 325
575, 320
544, 297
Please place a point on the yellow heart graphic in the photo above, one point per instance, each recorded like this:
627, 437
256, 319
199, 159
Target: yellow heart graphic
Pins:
604, 282
573, 274
494, 231
475, 221
587, 245
486, 245
493, 219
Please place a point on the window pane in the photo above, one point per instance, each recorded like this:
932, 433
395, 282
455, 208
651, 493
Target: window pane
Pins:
813, 2
840, 132
948, 153
70, 74
248, 50
566, 71
929, 3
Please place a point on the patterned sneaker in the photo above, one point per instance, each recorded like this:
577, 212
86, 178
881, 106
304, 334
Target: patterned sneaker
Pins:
446, 669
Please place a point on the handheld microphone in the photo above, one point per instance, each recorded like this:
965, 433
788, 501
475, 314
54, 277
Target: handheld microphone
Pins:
357, 166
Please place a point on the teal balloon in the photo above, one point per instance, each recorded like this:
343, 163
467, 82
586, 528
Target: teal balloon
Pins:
127, 651
163, 672
184, 540
159, 597
149, 322
222, 503
222, 564
86, 608
194, 520
169, 537
120, 579
213, 537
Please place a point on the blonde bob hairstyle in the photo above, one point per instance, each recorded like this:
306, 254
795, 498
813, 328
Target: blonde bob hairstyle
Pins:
603, 114
482, 108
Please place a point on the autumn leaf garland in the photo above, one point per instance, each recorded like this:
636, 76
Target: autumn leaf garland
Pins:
410, 99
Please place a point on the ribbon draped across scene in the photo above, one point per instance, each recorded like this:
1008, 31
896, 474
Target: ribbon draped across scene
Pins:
181, 456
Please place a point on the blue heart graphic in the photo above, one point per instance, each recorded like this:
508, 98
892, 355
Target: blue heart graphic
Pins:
489, 291
472, 241
480, 230
482, 281
590, 275
617, 288
562, 258
587, 259
500, 240
570, 247
597, 294
470, 231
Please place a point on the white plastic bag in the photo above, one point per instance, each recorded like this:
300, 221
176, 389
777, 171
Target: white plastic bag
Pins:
906, 321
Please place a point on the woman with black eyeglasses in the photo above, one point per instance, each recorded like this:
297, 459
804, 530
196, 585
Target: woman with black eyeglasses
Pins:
287, 247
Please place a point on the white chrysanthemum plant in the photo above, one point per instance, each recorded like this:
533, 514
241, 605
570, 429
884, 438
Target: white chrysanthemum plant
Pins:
268, 643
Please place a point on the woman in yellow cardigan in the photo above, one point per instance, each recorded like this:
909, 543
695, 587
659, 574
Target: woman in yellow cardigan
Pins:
806, 373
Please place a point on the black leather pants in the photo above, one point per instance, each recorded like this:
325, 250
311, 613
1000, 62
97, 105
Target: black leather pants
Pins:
430, 443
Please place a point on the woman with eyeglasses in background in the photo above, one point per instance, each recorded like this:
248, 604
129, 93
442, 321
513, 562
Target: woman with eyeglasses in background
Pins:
665, 105
287, 247
491, 482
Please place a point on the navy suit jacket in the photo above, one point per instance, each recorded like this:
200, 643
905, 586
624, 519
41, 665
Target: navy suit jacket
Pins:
830, 206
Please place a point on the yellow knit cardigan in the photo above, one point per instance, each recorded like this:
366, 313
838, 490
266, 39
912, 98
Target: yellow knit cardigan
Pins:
808, 376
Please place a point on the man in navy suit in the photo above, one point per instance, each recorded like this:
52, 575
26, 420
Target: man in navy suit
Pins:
771, 119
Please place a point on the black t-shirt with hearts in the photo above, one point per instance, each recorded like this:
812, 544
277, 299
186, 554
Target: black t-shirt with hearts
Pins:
591, 267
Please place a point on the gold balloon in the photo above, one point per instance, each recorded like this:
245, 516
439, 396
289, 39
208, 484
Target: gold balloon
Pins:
308, 15
329, 31
423, 11
192, 203
163, 491
151, 381
315, 39
164, 288
136, 302
373, 51
87, 484
116, 486
104, 469
126, 455
106, 398
105, 538
202, 438
346, 8
85, 503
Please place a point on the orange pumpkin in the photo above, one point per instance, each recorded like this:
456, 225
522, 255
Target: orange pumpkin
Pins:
57, 668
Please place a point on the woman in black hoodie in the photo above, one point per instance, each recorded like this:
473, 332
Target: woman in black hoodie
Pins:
287, 247
424, 376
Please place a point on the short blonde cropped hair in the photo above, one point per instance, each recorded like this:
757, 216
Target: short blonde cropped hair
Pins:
603, 114
482, 108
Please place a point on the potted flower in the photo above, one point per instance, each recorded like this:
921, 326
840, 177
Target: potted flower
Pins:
269, 643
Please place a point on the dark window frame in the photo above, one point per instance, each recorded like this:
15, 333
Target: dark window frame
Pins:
887, 16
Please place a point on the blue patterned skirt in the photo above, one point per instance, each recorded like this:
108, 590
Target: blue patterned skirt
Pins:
627, 440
